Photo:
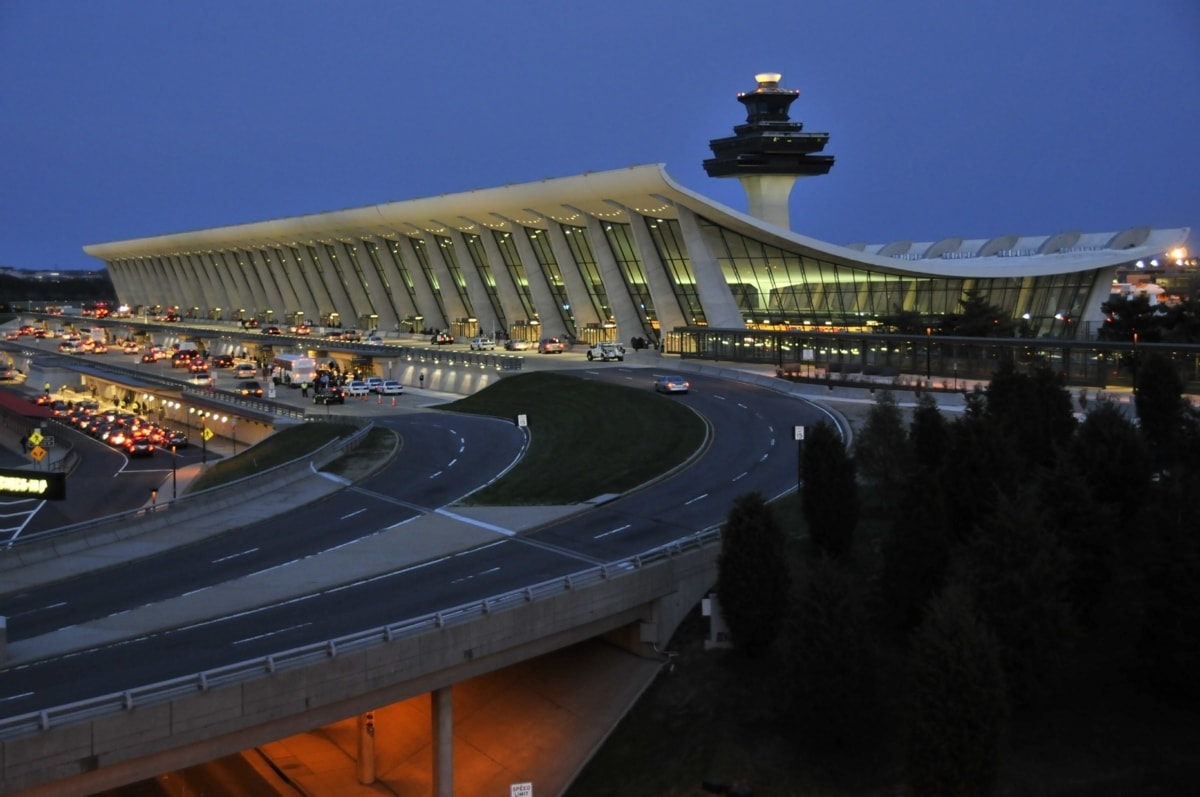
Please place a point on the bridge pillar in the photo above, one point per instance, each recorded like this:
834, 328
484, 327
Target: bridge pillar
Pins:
442, 704
366, 748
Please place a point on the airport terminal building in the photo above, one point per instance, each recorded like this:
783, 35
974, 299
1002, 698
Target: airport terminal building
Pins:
617, 255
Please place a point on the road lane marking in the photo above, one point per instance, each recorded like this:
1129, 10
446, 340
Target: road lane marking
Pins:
234, 555
694, 500
352, 514
271, 633
614, 531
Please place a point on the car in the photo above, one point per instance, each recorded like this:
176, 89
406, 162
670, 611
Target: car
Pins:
149, 357
249, 323
551, 346
515, 344
198, 366
138, 445
245, 371
357, 388
606, 350
175, 439
272, 330
482, 343
389, 387
249, 388
672, 384
373, 383
330, 395
130, 348
374, 340
6, 372
441, 338
202, 379
222, 361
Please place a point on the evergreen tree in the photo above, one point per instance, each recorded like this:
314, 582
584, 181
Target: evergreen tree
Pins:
916, 550
830, 498
829, 662
881, 453
1161, 407
1016, 572
928, 434
957, 703
752, 574
1033, 410
1113, 459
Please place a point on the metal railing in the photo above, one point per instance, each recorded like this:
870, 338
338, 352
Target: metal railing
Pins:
242, 671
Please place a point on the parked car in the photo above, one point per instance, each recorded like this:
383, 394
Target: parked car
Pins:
513, 344
390, 387
672, 384
482, 343
330, 395
249, 388
373, 383
551, 346
357, 388
606, 351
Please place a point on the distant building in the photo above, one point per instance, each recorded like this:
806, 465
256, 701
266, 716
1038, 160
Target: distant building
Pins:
619, 254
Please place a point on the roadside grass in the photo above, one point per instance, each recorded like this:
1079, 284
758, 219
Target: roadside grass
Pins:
586, 438
283, 446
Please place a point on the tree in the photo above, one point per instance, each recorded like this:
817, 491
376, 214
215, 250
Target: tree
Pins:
1016, 571
916, 550
829, 663
928, 434
1034, 410
830, 498
957, 703
1113, 459
1161, 407
979, 319
881, 453
752, 574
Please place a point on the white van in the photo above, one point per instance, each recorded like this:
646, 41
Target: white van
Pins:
245, 371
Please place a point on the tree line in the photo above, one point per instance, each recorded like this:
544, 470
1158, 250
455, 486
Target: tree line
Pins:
1016, 532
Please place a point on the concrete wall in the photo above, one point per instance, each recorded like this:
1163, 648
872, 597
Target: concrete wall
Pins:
82, 758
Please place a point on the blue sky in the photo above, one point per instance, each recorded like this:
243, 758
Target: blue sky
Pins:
123, 118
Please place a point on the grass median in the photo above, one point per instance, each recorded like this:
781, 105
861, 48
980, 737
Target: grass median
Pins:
586, 438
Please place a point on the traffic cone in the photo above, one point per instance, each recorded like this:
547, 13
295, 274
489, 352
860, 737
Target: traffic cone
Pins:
380, 399
393, 401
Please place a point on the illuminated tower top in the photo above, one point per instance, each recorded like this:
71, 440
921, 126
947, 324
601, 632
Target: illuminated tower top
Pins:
769, 152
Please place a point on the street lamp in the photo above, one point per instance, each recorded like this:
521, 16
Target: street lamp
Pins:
174, 477
928, 348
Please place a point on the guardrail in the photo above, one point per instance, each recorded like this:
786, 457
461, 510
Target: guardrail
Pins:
239, 672
133, 522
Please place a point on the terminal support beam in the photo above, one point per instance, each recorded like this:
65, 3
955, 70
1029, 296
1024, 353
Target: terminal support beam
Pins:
442, 705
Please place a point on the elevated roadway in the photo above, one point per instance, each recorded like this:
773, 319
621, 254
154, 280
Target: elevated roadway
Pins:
370, 583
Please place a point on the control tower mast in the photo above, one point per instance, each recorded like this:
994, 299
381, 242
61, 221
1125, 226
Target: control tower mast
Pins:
769, 152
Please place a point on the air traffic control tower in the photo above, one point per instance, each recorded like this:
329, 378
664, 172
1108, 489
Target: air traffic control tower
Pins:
769, 151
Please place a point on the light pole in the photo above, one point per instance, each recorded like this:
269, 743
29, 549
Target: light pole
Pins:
928, 349
233, 434
174, 477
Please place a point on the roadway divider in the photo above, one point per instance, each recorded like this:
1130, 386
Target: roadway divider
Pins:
189, 517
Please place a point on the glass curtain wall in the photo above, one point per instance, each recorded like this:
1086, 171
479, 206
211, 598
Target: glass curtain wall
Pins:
624, 251
540, 241
479, 259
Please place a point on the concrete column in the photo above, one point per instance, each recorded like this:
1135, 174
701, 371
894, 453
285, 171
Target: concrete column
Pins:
366, 748
442, 704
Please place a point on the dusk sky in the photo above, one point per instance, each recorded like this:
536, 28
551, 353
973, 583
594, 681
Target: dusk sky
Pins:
122, 119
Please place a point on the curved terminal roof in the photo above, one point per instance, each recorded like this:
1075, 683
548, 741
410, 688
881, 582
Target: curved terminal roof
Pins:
648, 190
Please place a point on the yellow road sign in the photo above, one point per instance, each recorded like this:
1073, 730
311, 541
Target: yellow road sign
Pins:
35, 437
38, 453
208, 434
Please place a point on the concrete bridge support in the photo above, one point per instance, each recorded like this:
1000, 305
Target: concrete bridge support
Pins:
443, 741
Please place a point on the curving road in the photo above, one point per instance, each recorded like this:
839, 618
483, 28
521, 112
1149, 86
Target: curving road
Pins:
443, 457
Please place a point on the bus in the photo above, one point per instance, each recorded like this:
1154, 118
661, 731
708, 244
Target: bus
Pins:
293, 369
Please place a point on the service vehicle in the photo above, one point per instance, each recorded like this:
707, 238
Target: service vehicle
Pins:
357, 388
373, 383
390, 387
294, 369
606, 350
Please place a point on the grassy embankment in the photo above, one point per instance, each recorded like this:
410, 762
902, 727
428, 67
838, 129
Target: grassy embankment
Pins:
586, 438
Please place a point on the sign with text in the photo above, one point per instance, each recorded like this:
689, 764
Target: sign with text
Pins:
522, 790
32, 484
